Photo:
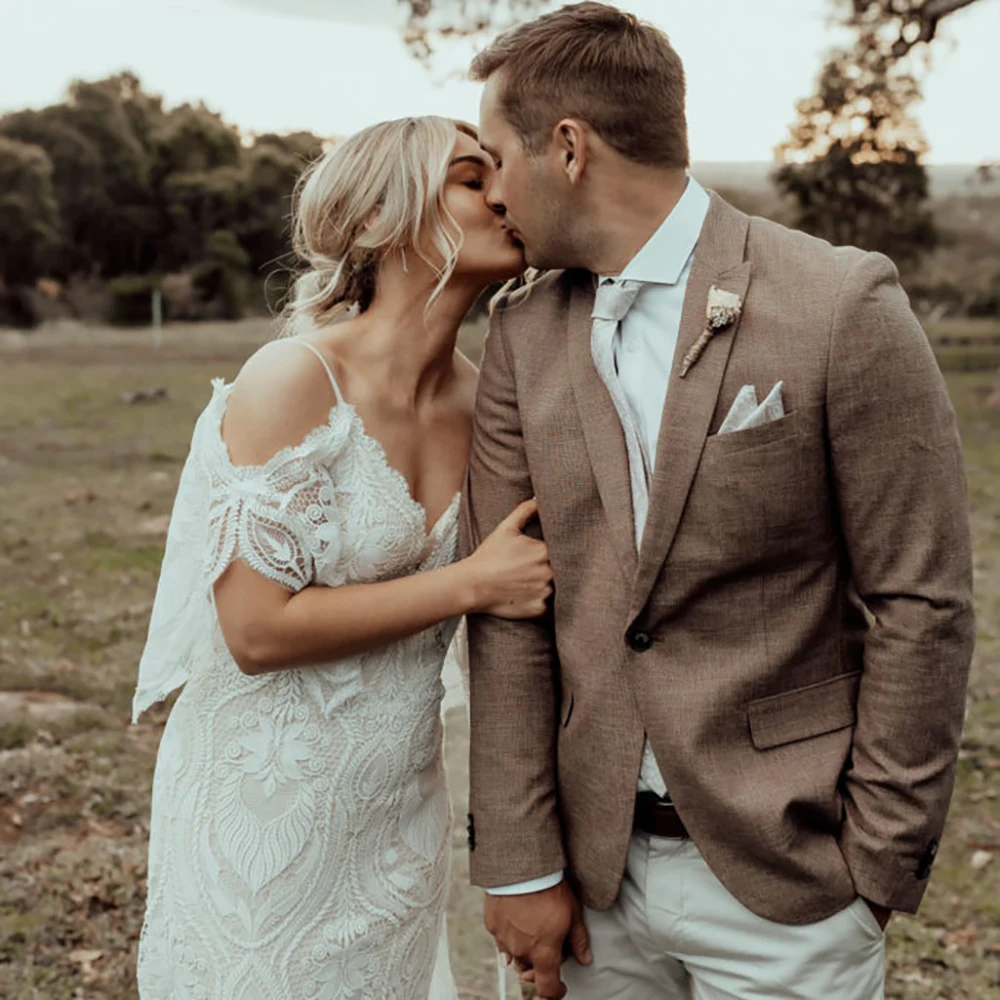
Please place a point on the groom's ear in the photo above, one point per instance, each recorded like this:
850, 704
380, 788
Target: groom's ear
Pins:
570, 141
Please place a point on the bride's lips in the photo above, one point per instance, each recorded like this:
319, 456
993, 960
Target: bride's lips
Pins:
514, 236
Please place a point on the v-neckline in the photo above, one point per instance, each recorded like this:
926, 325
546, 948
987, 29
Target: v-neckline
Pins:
429, 531
349, 410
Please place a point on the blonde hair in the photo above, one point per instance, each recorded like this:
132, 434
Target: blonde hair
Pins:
597, 63
379, 192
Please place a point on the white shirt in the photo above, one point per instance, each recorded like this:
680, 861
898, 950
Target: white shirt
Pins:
643, 352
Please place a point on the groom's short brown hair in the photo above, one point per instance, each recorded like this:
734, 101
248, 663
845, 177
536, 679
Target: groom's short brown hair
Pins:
601, 65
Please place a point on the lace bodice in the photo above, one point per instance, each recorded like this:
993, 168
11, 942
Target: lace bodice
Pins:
300, 824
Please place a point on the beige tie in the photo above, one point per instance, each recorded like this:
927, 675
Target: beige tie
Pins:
613, 300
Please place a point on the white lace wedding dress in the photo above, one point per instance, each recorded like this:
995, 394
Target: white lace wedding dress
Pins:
300, 831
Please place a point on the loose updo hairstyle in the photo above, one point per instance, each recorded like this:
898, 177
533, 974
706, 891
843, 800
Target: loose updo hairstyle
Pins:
379, 192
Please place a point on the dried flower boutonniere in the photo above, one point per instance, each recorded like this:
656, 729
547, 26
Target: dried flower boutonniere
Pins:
723, 310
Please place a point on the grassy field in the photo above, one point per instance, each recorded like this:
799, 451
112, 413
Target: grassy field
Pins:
86, 482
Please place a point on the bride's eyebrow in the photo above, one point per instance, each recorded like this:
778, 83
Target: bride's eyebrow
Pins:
478, 160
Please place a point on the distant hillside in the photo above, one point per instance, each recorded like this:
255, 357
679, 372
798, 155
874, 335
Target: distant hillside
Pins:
947, 180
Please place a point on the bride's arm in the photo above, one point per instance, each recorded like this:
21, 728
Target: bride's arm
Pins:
269, 627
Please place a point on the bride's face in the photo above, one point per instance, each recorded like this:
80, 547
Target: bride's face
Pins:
489, 252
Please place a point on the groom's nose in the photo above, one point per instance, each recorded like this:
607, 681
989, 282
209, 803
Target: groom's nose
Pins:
494, 198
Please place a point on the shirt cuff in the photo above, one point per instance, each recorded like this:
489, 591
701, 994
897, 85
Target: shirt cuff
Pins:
535, 885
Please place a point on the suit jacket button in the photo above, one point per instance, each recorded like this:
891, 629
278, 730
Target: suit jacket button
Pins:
640, 642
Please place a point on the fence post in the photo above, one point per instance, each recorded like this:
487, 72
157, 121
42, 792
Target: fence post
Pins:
157, 318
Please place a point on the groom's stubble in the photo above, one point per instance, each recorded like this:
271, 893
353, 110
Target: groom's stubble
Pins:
553, 222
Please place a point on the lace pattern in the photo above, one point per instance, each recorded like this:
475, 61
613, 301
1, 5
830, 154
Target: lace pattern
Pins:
299, 837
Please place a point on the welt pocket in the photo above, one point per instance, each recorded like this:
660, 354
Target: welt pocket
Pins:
804, 712
754, 437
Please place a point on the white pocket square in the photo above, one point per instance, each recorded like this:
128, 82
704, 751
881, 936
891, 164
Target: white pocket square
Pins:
746, 412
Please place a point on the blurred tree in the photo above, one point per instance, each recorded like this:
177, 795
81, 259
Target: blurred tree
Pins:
140, 191
221, 278
431, 21
197, 179
853, 161
101, 173
77, 181
29, 213
116, 117
273, 165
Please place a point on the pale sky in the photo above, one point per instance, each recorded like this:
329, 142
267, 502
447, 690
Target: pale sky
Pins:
334, 66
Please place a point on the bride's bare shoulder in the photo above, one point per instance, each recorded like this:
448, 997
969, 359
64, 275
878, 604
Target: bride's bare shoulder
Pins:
280, 395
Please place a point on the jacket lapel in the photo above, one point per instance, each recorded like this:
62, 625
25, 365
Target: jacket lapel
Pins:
602, 429
691, 401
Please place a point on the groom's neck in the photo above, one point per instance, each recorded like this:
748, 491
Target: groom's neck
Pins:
629, 206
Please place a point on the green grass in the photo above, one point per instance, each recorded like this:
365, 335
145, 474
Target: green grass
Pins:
81, 473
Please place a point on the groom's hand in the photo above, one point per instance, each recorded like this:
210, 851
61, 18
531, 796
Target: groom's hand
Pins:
536, 930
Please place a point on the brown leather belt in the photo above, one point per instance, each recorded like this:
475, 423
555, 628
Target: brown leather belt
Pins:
657, 818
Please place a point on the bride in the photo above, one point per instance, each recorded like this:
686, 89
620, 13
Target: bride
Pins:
300, 820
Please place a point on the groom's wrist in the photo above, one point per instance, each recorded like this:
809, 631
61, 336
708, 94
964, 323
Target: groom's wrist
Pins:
533, 885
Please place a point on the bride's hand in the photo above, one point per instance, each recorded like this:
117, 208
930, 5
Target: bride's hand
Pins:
511, 575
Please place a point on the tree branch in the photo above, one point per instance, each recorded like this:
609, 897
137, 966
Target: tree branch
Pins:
936, 9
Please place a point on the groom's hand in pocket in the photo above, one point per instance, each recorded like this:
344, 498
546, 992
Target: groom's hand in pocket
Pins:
538, 929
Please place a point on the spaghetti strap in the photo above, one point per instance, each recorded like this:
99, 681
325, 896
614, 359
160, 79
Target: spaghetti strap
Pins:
329, 372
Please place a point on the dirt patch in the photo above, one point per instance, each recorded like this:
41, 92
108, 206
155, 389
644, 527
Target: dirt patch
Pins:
86, 486
45, 709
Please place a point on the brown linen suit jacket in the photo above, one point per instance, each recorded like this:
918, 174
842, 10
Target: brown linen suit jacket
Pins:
810, 754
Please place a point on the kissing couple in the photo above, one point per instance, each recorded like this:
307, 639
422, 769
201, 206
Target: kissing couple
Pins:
703, 508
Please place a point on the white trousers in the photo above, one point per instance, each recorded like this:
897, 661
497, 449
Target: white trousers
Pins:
676, 933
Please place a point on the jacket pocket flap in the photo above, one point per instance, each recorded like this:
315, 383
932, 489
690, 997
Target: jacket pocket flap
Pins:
805, 712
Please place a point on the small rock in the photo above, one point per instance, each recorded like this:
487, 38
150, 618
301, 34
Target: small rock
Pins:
79, 496
25, 628
145, 395
85, 959
980, 859
156, 526
41, 708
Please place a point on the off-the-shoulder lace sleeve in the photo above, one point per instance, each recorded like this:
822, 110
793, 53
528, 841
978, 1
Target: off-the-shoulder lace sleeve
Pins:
280, 518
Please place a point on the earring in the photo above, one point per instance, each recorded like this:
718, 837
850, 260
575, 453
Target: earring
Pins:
402, 253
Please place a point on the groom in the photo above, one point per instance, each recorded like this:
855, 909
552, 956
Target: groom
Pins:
727, 756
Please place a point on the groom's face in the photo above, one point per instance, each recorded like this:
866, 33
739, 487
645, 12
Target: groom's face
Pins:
523, 187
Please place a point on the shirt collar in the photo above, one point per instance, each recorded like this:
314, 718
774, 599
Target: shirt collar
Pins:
665, 255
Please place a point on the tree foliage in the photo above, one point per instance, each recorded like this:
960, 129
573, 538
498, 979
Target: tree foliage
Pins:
29, 214
109, 183
853, 161
434, 21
